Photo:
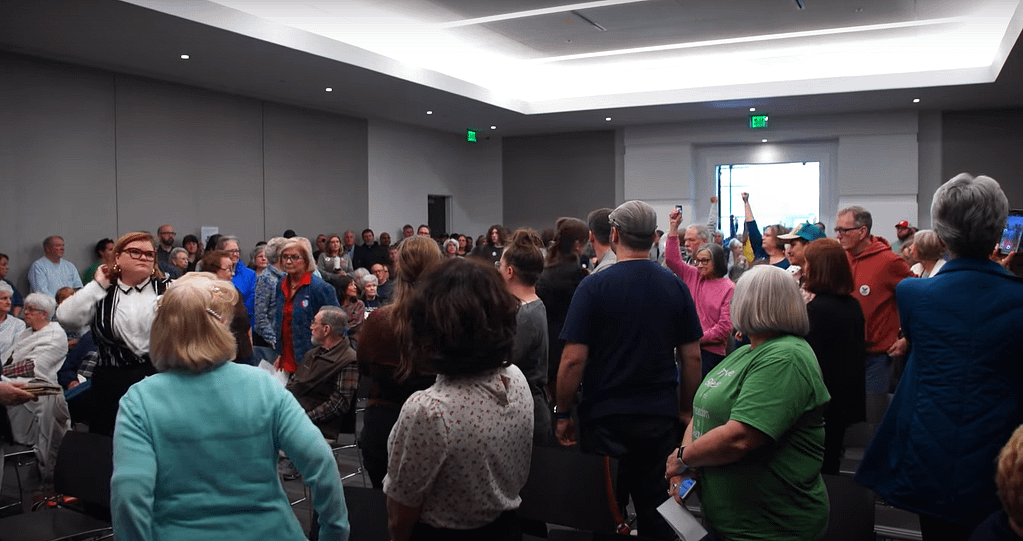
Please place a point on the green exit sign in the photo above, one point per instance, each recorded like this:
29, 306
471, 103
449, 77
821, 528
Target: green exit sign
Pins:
758, 121
470, 136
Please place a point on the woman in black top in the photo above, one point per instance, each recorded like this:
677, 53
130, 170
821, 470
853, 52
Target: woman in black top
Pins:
557, 284
837, 338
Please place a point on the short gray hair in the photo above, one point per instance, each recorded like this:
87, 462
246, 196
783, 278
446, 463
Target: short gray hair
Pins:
928, 246
968, 214
702, 231
175, 251
44, 303
222, 243
767, 300
450, 241
370, 279
6, 288
272, 251
360, 273
336, 318
861, 216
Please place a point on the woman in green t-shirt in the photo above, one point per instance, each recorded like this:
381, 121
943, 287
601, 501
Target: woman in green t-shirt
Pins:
757, 435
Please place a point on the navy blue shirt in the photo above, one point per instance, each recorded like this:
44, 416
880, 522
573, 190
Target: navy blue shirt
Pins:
631, 316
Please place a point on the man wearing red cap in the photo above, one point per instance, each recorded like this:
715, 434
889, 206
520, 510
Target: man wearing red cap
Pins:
903, 231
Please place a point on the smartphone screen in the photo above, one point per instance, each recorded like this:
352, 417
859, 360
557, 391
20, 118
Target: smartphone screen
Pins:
687, 486
1013, 232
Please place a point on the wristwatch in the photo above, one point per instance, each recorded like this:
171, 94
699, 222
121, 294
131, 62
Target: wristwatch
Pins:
681, 462
562, 415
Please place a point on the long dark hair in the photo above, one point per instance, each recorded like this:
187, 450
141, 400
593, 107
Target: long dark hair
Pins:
463, 320
568, 231
416, 256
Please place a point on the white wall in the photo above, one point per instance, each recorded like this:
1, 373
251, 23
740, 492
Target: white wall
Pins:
867, 159
406, 164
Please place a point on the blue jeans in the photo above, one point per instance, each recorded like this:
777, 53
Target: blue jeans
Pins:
877, 373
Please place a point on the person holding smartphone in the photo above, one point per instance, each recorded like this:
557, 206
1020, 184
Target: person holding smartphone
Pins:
756, 439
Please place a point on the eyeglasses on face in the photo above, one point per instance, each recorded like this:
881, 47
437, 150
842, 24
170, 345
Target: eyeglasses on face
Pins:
846, 230
702, 261
141, 255
292, 257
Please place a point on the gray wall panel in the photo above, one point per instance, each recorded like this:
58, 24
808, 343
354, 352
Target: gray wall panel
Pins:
547, 177
56, 160
316, 172
984, 143
190, 158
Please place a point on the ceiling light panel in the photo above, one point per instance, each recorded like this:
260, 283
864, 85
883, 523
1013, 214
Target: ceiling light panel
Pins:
653, 52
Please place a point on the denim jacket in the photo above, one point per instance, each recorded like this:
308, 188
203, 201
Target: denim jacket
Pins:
307, 302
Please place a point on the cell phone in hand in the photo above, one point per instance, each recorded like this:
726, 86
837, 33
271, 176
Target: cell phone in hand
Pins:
1012, 234
679, 209
687, 486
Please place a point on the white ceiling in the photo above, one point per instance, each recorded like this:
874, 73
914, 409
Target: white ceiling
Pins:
528, 66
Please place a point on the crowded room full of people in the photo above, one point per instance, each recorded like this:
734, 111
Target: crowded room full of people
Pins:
516, 271
741, 376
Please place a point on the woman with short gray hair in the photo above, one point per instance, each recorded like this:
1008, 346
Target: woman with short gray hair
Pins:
36, 355
928, 251
757, 434
960, 396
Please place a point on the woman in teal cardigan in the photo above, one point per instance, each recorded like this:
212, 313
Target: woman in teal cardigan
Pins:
196, 445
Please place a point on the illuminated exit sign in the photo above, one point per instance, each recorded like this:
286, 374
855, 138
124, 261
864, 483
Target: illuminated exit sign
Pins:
470, 136
757, 121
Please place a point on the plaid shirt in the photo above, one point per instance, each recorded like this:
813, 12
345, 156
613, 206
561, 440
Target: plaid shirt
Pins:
20, 369
342, 397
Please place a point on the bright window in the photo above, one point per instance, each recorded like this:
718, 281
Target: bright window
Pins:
785, 193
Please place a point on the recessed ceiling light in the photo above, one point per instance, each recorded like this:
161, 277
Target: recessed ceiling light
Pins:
751, 109
493, 127
763, 140
608, 119
429, 112
184, 57
916, 100
328, 89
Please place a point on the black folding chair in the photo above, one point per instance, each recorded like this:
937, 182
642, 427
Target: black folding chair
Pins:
83, 470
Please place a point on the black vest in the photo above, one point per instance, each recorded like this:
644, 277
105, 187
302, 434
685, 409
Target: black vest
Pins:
113, 351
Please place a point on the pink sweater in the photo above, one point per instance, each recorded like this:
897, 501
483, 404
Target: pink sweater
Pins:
712, 297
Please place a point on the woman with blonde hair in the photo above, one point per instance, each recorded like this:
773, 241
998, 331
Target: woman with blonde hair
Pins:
929, 253
196, 445
393, 376
298, 298
119, 304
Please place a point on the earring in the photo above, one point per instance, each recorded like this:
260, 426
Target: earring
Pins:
117, 268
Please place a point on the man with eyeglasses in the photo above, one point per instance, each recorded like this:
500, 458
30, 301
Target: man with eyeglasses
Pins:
52, 272
163, 250
242, 277
876, 272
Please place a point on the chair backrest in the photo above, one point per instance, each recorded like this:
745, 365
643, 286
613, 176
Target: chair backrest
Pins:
569, 488
85, 464
367, 513
851, 515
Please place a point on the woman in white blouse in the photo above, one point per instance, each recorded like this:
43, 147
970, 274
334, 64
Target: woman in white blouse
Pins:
929, 253
119, 305
459, 453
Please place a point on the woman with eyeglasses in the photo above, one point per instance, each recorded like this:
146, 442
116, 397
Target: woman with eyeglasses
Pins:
119, 305
299, 296
711, 290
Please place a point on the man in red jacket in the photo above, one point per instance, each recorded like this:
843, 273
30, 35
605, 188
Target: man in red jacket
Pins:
876, 271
